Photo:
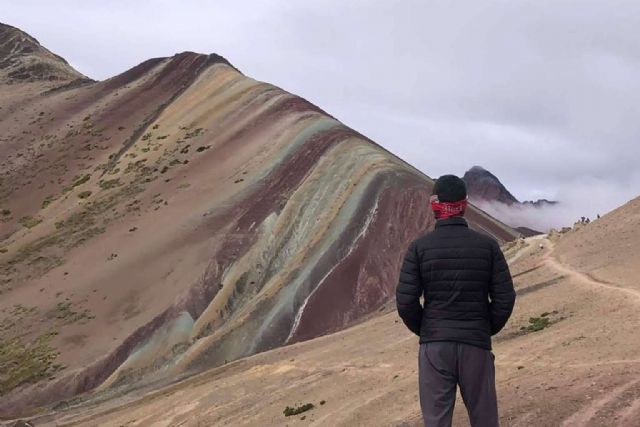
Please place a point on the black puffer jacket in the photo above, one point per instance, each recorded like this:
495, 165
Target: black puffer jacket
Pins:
465, 280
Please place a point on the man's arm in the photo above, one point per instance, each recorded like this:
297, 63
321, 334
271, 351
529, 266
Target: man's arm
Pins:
409, 290
501, 292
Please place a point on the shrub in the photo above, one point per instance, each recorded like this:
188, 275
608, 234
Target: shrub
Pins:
288, 411
47, 201
110, 183
29, 221
79, 181
537, 323
194, 133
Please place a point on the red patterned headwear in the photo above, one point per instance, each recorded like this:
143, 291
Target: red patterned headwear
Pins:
443, 210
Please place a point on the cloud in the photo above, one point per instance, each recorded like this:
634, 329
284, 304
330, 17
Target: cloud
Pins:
588, 199
544, 95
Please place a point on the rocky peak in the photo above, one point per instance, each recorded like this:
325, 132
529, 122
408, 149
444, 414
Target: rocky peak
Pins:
483, 185
22, 58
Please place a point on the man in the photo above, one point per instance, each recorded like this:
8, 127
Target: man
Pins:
468, 297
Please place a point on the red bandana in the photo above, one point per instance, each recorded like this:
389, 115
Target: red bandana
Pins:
443, 210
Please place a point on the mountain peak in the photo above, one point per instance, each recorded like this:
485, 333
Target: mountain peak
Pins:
477, 169
483, 185
23, 58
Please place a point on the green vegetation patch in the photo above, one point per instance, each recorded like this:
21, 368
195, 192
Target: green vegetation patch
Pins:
29, 221
194, 133
109, 183
289, 411
26, 363
49, 199
65, 311
78, 181
13, 322
44, 253
537, 323
84, 194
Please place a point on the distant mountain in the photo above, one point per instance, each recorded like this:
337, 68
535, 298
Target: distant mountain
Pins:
22, 58
483, 185
488, 193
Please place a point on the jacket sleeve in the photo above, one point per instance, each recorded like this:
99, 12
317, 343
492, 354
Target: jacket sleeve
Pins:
501, 292
409, 290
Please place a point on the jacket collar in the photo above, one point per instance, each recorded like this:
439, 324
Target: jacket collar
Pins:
456, 220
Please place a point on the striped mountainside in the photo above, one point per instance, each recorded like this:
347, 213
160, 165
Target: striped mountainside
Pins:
182, 215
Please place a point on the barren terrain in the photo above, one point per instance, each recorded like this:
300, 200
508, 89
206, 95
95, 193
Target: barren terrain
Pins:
579, 367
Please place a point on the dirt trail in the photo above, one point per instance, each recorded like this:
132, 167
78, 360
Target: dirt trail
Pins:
610, 399
608, 405
513, 258
579, 277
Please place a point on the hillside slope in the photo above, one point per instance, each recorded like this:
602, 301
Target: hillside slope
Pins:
179, 216
568, 357
608, 249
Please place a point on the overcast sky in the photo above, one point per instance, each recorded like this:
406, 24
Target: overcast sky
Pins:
545, 94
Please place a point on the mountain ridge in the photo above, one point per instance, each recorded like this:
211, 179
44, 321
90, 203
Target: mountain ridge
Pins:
193, 216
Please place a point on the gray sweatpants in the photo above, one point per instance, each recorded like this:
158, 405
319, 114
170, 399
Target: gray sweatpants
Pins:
445, 364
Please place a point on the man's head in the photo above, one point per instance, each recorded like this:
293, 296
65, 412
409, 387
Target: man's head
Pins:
450, 188
449, 197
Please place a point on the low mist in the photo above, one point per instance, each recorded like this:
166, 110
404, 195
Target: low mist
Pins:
576, 199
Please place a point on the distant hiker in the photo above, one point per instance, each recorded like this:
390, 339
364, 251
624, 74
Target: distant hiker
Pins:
468, 297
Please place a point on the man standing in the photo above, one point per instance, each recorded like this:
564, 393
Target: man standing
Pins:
468, 297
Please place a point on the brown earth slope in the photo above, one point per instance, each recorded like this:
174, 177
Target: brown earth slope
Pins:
180, 216
568, 357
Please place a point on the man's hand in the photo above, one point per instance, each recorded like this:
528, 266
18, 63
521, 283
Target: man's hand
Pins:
501, 292
409, 290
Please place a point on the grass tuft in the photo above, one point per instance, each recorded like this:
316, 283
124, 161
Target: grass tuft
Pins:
29, 221
537, 324
289, 411
26, 363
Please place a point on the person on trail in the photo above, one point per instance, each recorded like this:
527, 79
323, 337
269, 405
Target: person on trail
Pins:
468, 297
